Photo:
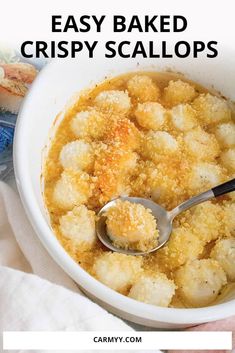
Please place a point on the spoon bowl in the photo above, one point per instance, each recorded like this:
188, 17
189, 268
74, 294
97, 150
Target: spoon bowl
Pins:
163, 218
164, 224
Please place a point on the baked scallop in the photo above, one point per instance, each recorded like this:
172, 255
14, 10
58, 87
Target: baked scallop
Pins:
113, 101
78, 226
200, 281
225, 134
156, 181
143, 88
204, 176
201, 145
77, 155
211, 109
183, 117
224, 253
89, 124
131, 226
228, 159
182, 246
178, 92
160, 143
117, 271
154, 289
151, 115
72, 189
206, 221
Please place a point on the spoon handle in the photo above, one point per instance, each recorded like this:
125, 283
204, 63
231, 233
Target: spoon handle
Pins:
205, 196
224, 188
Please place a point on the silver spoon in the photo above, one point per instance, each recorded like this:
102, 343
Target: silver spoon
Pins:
164, 218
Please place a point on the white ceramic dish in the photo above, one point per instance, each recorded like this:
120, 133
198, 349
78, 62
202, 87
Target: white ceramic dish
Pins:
53, 87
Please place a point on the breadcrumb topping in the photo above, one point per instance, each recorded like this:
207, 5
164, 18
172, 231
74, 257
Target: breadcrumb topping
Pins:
112, 170
114, 101
150, 135
182, 247
211, 109
178, 92
131, 226
151, 115
88, 124
143, 88
122, 134
183, 117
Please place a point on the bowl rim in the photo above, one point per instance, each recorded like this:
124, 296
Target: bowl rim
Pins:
104, 294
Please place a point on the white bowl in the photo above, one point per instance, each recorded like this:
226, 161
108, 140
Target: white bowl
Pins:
54, 86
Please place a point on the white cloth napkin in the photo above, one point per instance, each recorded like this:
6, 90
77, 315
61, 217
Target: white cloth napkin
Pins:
35, 293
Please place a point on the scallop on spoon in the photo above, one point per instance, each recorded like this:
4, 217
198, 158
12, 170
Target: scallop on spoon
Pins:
164, 218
